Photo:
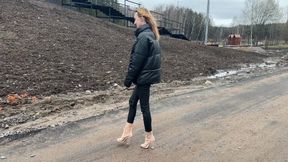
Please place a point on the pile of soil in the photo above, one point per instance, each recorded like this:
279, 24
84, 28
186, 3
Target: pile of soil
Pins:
47, 49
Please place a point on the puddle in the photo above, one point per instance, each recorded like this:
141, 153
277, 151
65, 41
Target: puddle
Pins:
265, 65
268, 64
222, 73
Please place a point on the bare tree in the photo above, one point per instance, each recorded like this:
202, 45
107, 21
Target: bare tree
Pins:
191, 21
235, 25
260, 12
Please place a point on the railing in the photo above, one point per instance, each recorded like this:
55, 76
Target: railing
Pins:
173, 26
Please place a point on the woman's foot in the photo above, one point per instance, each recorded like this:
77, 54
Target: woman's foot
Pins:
149, 141
126, 135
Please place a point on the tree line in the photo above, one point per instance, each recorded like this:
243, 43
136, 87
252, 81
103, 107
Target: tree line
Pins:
271, 34
192, 22
263, 21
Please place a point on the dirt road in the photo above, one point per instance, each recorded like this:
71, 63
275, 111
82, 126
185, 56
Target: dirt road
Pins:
246, 121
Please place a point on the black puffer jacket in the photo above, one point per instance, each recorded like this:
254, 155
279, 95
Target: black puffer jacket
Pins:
145, 60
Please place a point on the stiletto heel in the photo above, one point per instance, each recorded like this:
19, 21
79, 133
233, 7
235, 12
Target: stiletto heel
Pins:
149, 142
124, 140
126, 135
152, 145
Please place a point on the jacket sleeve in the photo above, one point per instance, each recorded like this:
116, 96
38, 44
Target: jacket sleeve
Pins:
137, 60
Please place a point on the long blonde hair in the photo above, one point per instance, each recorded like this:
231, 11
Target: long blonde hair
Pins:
143, 12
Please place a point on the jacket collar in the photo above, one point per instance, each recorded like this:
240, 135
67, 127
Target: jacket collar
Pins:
141, 29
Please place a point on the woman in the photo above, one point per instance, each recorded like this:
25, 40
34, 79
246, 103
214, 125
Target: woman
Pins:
143, 71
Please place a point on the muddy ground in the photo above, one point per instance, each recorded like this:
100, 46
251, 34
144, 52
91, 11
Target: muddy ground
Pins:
59, 66
244, 121
62, 109
46, 50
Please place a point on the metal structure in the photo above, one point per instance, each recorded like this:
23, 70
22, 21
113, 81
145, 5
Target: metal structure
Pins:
128, 10
118, 11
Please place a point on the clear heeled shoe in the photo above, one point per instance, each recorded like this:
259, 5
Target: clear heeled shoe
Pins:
149, 142
126, 135
124, 140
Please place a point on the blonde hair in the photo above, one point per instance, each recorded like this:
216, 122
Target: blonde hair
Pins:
143, 12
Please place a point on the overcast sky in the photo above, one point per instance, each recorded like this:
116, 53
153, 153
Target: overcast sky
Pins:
221, 11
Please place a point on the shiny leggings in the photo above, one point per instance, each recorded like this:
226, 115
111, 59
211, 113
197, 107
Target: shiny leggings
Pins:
142, 93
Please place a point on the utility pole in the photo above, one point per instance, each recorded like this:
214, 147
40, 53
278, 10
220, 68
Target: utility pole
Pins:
207, 22
251, 27
220, 35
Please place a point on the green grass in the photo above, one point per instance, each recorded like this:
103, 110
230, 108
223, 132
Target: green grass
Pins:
281, 46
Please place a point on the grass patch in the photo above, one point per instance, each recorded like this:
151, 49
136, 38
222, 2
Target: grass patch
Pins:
281, 46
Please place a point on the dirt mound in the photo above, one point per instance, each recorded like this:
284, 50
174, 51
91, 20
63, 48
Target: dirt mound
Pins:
46, 49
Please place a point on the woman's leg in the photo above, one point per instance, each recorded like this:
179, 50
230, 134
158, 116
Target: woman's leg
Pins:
133, 105
127, 130
144, 95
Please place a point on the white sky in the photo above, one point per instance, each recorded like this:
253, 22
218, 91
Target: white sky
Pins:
221, 11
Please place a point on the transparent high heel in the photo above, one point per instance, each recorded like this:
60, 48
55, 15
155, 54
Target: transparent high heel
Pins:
125, 140
126, 135
149, 142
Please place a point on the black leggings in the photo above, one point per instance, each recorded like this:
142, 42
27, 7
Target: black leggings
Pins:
142, 93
